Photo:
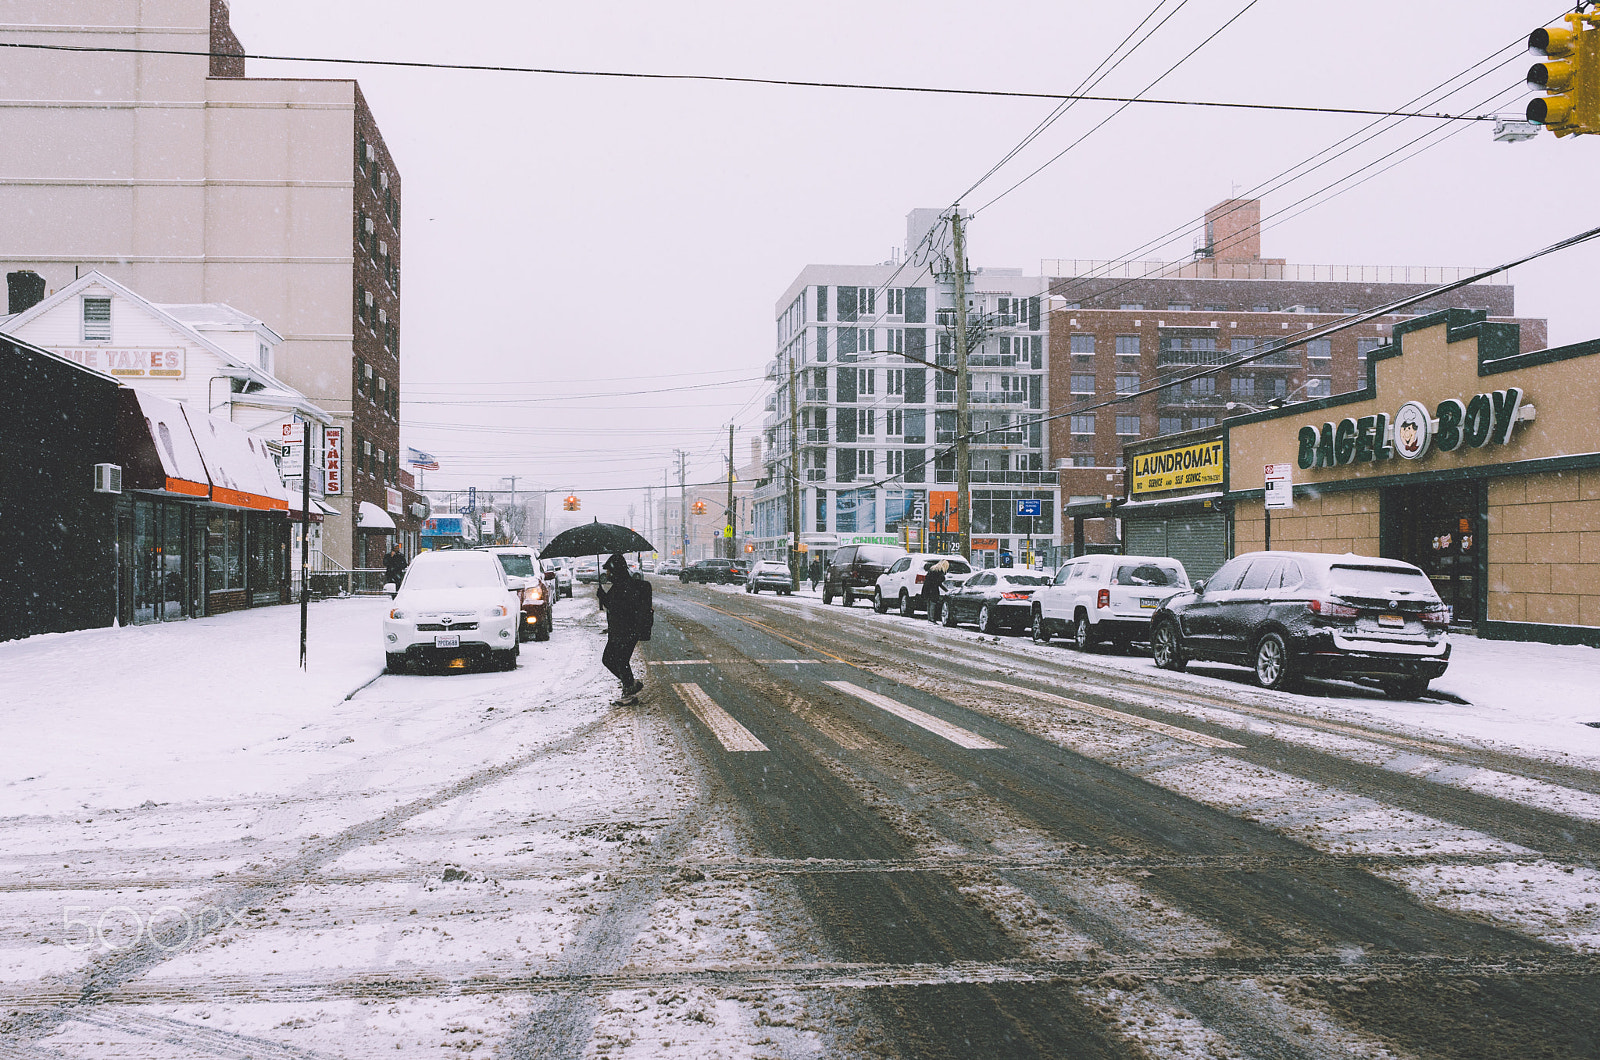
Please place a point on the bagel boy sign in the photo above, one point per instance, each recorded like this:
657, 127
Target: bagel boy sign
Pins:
1414, 431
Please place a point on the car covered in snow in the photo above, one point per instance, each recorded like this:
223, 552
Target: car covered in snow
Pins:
454, 608
1293, 614
770, 574
995, 600
900, 587
1105, 598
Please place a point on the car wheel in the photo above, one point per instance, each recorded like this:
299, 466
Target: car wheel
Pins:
506, 660
949, 615
827, 598
1041, 635
1166, 647
394, 662
907, 608
1274, 665
986, 623
879, 604
849, 598
1082, 633
1405, 687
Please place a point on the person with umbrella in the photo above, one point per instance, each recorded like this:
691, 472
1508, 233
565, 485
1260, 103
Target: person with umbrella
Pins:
626, 599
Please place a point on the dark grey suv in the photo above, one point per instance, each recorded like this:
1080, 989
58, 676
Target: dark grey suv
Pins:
1294, 614
853, 571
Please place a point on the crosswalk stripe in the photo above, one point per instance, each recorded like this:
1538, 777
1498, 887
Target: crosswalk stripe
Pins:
733, 736
938, 726
1173, 731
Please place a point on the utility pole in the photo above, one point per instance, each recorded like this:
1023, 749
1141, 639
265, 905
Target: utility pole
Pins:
794, 478
963, 413
683, 504
513, 517
730, 537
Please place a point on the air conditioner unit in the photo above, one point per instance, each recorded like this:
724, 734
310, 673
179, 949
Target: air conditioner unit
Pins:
108, 478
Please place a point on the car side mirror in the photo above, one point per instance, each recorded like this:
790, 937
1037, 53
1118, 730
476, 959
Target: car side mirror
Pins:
1200, 587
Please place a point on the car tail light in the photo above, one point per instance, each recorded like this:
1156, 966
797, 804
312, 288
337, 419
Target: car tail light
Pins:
1103, 598
1438, 618
920, 577
1328, 609
1015, 596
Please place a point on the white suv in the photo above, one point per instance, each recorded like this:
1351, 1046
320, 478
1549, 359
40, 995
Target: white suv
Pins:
453, 607
900, 586
1106, 598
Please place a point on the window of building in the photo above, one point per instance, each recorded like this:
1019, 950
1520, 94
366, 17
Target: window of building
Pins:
866, 380
1260, 309
1128, 425
264, 357
894, 462
1170, 424
1082, 384
897, 301
1179, 307
1244, 386
1083, 344
1083, 423
1366, 346
866, 422
1204, 386
1083, 461
1127, 384
1131, 305
897, 340
1273, 388
1319, 386
1202, 421
894, 422
97, 320
361, 375
1214, 309
866, 300
865, 463
1319, 349
895, 381
1243, 345
1127, 345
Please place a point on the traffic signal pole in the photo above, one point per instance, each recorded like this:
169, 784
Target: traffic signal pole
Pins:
963, 413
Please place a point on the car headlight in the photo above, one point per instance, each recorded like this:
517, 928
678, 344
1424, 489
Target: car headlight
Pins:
498, 611
535, 595
397, 613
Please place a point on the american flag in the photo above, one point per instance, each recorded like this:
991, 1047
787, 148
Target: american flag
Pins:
417, 458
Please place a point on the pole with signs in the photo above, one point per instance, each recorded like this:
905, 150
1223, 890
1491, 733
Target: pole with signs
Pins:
1279, 493
296, 434
1029, 509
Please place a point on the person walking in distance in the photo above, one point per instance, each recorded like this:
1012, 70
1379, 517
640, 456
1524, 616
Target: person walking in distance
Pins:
816, 572
630, 613
933, 588
394, 565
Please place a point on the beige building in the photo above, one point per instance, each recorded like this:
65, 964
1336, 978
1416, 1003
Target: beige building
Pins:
1476, 461
190, 183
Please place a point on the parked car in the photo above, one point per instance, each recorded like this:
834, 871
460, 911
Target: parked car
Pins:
454, 607
535, 583
769, 574
900, 586
586, 571
669, 568
855, 569
1293, 614
995, 600
1094, 599
719, 571
563, 569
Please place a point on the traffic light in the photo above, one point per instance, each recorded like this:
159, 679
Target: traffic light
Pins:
1570, 76
571, 502
698, 507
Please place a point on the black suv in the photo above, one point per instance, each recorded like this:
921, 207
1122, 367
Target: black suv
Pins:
721, 571
1288, 614
854, 571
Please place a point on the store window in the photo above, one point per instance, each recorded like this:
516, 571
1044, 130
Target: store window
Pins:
225, 561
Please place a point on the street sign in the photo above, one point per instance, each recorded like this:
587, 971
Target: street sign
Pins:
1280, 486
472, 498
1029, 508
464, 511
727, 531
293, 433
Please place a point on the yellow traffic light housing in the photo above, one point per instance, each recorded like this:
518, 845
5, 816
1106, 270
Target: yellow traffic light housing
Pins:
571, 503
698, 507
1570, 76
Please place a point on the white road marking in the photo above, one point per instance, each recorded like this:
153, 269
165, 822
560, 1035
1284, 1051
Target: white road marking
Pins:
938, 726
1116, 715
733, 736
679, 662
789, 662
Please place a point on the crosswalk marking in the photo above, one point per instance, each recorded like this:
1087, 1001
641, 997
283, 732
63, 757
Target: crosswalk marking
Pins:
733, 736
1173, 731
938, 726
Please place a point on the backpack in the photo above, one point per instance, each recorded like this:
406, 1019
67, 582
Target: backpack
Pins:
644, 618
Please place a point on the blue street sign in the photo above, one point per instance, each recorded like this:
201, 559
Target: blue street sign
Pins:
1029, 508
472, 498
464, 511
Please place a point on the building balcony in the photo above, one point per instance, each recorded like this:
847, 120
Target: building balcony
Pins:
997, 397
814, 395
815, 436
816, 474
1013, 478
993, 438
992, 360
1186, 400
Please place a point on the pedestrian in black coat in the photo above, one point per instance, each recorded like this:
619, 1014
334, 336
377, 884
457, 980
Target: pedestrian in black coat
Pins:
816, 573
933, 589
630, 613
394, 565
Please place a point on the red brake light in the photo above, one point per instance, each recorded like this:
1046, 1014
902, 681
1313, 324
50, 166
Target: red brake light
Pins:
1015, 596
1328, 609
1439, 618
1103, 598
920, 577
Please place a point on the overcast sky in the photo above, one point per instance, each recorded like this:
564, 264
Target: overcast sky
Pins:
572, 242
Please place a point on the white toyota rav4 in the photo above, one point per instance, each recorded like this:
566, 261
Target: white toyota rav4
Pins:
1105, 598
453, 607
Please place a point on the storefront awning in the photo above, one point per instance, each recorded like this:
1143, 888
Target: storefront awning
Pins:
318, 509
1133, 507
371, 517
156, 449
243, 473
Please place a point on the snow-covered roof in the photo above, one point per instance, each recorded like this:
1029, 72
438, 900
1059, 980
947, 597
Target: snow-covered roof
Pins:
216, 314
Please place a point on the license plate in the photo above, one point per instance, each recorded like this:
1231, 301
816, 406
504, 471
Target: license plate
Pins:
1149, 603
1391, 620
452, 640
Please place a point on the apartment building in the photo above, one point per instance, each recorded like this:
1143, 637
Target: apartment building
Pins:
871, 351
181, 178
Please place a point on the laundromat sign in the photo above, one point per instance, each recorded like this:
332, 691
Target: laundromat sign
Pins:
1171, 469
1485, 420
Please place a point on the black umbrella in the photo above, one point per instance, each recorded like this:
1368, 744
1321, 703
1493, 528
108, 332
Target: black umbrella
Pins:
595, 539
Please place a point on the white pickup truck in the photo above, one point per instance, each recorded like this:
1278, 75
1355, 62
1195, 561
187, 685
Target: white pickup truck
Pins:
1105, 598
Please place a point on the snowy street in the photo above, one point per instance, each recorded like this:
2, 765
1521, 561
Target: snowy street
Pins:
822, 832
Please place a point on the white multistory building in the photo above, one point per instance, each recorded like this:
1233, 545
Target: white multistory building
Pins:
871, 349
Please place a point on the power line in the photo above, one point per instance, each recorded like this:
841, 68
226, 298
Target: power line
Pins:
730, 79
